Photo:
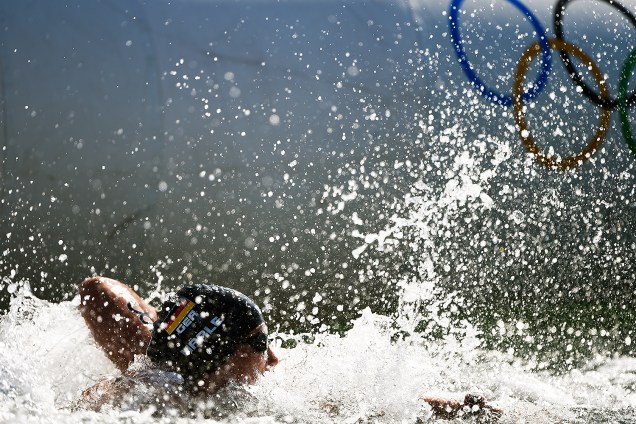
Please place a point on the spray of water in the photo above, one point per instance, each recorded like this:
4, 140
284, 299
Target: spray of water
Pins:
369, 375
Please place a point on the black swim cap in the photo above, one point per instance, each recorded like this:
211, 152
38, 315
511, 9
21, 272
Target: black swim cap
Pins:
200, 327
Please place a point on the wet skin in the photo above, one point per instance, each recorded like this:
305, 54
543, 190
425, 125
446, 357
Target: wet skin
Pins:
244, 366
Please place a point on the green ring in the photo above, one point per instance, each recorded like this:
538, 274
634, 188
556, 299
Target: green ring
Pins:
628, 66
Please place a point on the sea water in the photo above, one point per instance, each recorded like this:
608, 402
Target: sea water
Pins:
48, 358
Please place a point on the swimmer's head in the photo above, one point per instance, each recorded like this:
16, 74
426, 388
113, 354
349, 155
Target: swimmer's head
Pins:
200, 327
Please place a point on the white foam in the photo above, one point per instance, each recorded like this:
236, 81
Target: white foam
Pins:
48, 358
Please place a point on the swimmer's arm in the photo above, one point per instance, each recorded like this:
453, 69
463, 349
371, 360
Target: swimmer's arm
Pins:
472, 405
118, 318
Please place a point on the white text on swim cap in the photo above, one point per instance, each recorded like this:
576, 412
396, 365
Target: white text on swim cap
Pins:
187, 321
202, 335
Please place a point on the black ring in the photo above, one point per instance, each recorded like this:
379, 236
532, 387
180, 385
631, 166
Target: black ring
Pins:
606, 103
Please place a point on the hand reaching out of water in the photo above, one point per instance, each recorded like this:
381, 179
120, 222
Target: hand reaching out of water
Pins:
472, 405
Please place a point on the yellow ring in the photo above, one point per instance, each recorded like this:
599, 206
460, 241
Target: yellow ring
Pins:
526, 137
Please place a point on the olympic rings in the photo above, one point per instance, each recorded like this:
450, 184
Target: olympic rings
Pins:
526, 137
492, 95
605, 102
602, 99
622, 100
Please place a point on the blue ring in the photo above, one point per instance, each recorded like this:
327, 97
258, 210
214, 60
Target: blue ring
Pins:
493, 96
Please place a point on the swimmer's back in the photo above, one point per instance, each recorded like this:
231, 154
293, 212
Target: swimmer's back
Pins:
140, 388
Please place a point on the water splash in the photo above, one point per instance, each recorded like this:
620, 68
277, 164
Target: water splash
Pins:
368, 375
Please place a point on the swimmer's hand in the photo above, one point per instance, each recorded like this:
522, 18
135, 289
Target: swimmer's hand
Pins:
473, 405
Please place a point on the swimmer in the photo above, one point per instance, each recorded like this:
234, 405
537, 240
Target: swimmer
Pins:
202, 339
